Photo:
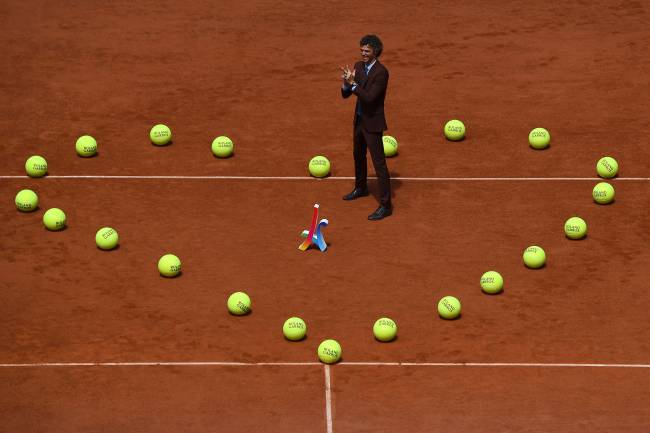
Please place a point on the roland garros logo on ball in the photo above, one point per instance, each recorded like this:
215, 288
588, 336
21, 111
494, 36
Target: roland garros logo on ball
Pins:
330, 352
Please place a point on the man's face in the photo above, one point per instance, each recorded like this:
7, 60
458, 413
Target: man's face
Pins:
367, 53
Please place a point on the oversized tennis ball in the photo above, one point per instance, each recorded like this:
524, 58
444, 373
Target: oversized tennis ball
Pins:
603, 193
390, 145
575, 228
294, 329
222, 147
239, 304
106, 238
160, 135
36, 166
169, 265
491, 282
607, 167
539, 138
385, 329
54, 219
454, 130
329, 351
449, 307
26, 200
86, 146
319, 166
534, 257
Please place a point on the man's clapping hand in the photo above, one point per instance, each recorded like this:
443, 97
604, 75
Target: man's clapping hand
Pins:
348, 75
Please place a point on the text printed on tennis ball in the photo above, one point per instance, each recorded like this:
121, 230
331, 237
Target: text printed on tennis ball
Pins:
330, 352
448, 306
108, 234
296, 325
452, 128
538, 134
607, 165
487, 280
26, 200
570, 228
600, 194
243, 306
388, 323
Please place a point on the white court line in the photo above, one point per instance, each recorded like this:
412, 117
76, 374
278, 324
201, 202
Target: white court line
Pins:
497, 364
288, 364
328, 178
328, 399
160, 364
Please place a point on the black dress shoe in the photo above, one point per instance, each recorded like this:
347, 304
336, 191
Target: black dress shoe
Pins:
381, 212
356, 193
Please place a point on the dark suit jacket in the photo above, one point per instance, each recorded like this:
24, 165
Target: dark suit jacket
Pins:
371, 93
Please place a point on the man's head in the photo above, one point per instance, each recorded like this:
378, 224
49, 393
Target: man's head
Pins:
371, 47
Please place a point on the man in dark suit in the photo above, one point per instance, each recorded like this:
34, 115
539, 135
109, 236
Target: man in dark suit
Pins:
368, 81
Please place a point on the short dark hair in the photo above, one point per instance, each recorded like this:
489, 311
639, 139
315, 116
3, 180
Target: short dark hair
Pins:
374, 42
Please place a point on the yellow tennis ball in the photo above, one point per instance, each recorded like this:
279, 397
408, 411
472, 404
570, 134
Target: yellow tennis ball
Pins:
603, 193
449, 307
86, 146
294, 329
222, 147
26, 200
575, 228
239, 303
607, 167
539, 138
385, 329
534, 257
36, 166
169, 265
454, 130
160, 135
54, 219
319, 166
107, 238
390, 145
329, 351
492, 282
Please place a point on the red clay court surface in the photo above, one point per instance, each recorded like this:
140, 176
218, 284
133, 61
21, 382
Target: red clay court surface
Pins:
96, 341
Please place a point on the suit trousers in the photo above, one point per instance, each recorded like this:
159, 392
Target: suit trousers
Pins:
372, 141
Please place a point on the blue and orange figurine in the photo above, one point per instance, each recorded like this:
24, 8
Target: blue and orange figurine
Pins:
314, 234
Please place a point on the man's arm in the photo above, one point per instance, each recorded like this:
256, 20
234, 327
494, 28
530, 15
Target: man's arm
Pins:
376, 89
